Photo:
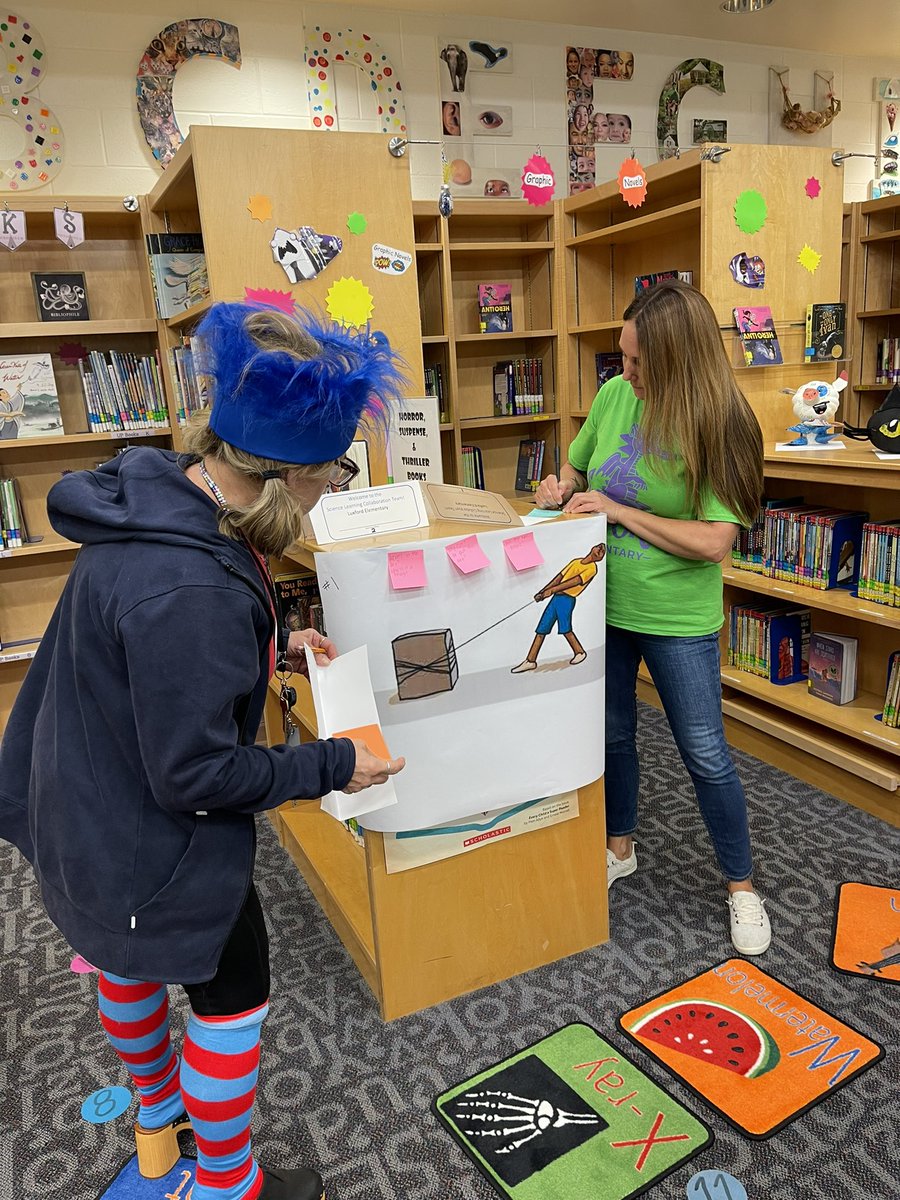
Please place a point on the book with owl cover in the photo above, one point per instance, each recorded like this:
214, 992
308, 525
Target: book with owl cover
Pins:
758, 337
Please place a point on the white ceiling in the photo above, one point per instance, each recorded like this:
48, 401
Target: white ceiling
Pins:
854, 27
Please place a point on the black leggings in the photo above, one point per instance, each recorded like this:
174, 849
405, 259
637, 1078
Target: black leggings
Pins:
241, 981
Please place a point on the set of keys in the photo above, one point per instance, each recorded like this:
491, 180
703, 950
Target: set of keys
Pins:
287, 698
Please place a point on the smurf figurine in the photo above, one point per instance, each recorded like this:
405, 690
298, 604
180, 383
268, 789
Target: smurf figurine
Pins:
815, 404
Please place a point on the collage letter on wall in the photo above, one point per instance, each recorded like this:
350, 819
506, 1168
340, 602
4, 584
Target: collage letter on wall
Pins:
693, 72
324, 50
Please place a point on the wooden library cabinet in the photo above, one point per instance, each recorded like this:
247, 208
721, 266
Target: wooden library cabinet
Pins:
487, 241
120, 298
873, 308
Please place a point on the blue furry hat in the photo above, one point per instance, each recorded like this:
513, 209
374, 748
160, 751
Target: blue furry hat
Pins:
273, 405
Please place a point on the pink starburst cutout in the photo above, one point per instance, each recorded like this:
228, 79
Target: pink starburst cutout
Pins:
813, 187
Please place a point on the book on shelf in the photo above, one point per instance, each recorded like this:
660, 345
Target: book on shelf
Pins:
434, 386
887, 363
890, 713
832, 667
190, 384
608, 367
813, 546
825, 332
122, 391
296, 593
13, 526
518, 387
530, 464
770, 640
642, 282
495, 308
879, 567
177, 270
29, 404
472, 467
758, 337
61, 296
748, 548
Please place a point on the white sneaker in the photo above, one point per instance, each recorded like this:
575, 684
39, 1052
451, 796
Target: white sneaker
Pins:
527, 665
751, 932
618, 868
579, 658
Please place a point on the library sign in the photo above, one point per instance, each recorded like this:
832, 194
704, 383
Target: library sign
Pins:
632, 183
415, 442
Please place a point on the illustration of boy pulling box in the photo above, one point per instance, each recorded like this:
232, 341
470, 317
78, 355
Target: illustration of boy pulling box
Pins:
563, 590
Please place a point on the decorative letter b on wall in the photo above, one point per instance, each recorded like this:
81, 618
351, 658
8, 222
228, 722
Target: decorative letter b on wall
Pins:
324, 50
199, 36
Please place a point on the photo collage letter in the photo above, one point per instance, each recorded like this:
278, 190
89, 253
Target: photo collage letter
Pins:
589, 127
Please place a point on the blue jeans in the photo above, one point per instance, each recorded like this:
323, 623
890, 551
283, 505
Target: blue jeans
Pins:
685, 671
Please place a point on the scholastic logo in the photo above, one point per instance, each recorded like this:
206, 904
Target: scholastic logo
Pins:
492, 833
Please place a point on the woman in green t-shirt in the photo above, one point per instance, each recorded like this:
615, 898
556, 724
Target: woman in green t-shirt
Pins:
672, 454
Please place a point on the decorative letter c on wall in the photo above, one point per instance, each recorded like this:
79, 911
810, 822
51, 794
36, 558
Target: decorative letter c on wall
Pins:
325, 49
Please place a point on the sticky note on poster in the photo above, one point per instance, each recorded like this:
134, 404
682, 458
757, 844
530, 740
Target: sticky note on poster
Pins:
406, 569
390, 261
467, 555
345, 706
522, 552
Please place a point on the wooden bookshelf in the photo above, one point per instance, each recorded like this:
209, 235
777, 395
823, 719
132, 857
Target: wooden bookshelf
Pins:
873, 298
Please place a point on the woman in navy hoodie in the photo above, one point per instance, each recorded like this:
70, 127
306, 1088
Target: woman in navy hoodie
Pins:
129, 776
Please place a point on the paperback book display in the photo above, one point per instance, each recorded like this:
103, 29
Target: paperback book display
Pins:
642, 282
178, 271
879, 570
758, 336
61, 296
495, 308
608, 367
122, 391
804, 544
890, 714
771, 641
832, 667
825, 332
530, 464
519, 387
29, 404
298, 601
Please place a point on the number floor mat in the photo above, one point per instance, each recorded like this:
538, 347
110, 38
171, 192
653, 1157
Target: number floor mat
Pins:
129, 1184
866, 938
749, 1047
570, 1118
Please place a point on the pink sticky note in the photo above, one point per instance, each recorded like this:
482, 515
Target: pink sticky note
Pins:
468, 555
407, 569
522, 551
81, 966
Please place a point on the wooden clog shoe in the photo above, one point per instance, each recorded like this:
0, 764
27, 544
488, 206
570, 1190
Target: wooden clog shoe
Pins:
157, 1149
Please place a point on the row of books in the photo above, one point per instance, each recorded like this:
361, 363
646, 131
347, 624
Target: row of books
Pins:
13, 529
642, 282
178, 271
434, 386
530, 464
879, 568
190, 386
518, 387
825, 338
890, 714
887, 361
803, 544
775, 642
122, 391
472, 467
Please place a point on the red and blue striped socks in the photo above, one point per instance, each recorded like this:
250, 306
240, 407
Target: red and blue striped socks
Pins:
135, 1016
218, 1083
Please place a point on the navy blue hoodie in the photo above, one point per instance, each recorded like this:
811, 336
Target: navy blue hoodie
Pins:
128, 773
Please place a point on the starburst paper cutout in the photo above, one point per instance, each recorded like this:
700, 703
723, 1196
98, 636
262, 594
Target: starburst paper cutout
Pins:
813, 187
809, 258
750, 211
71, 353
349, 302
260, 208
357, 223
275, 299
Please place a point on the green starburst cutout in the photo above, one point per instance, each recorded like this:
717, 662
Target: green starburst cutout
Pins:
750, 211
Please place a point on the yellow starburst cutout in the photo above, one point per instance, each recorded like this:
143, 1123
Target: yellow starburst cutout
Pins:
260, 208
349, 302
809, 258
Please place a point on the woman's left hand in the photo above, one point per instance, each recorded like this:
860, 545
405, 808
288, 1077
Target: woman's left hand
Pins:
296, 649
593, 501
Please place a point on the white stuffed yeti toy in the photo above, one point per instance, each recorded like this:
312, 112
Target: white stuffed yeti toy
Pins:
815, 404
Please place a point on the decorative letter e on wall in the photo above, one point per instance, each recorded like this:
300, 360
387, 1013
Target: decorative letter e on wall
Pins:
325, 49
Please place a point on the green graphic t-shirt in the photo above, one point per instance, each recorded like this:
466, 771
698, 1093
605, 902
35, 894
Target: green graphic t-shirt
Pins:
648, 589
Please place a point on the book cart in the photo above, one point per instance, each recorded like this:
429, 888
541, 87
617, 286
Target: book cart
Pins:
122, 317
687, 223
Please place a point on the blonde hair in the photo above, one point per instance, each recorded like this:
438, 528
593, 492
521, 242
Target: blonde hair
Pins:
693, 405
273, 521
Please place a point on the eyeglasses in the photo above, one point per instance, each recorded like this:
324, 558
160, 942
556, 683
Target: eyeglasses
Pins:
343, 470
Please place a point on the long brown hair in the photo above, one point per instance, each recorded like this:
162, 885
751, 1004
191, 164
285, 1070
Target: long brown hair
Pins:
693, 405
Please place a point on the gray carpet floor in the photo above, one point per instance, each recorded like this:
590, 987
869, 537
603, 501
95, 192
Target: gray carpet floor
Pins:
341, 1090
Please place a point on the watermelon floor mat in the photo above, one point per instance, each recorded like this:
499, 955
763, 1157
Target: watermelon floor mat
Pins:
570, 1118
749, 1047
866, 939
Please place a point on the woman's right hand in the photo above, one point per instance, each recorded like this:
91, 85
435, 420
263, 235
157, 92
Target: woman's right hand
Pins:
553, 493
371, 769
